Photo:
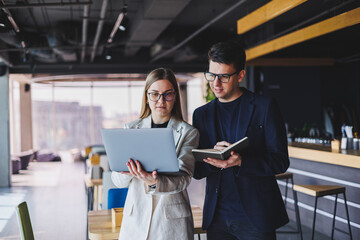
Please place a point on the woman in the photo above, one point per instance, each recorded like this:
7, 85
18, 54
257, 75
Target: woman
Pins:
157, 206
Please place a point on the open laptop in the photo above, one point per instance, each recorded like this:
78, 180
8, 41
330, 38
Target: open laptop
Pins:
153, 147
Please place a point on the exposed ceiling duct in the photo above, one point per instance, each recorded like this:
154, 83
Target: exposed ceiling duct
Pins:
99, 29
151, 19
84, 32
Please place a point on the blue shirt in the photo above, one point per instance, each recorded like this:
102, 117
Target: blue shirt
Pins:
228, 204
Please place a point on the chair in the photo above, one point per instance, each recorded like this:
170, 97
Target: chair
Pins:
289, 176
117, 197
94, 159
321, 191
104, 163
96, 172
107, 184
24, 221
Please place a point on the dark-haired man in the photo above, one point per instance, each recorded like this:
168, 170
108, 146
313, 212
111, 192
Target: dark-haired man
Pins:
242, 198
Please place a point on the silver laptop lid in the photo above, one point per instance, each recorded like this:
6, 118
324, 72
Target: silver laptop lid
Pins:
153, 147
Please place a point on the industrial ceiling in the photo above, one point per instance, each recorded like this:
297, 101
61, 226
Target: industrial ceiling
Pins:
135, 36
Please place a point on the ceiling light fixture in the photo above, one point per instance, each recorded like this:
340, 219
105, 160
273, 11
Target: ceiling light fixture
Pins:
122, 28
107, 54
117, 23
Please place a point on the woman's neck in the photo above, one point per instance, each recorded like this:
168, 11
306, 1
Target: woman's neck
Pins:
160, 120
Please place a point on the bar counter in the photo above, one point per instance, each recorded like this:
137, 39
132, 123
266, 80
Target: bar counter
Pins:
315, 164
323, 153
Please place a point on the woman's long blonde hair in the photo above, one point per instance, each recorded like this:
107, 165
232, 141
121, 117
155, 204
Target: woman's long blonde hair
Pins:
156, 75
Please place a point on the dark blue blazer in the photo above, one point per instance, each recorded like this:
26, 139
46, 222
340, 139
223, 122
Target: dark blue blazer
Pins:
267, 155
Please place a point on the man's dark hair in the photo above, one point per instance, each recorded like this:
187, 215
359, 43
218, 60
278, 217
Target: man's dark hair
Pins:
229, 52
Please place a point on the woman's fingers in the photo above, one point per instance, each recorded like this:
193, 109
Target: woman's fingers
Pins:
133, 168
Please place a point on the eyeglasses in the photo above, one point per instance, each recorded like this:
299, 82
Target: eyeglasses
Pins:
224, 78
167, 96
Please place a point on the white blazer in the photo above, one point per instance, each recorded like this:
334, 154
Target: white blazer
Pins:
163, 212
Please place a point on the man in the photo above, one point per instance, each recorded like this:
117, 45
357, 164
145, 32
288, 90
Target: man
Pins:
242, 198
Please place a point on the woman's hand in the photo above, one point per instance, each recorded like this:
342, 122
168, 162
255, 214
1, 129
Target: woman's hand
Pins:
136, 170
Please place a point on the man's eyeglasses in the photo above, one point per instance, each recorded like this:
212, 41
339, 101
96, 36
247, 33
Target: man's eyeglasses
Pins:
224, 78
167, 96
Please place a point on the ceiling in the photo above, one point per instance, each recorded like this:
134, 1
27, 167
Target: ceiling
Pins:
72, 36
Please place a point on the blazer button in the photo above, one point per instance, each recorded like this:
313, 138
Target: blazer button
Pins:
216, 190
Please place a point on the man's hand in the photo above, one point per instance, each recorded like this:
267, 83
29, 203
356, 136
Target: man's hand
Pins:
221, 145
233, 160
136, 170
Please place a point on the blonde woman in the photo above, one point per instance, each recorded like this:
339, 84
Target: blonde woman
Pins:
157, 206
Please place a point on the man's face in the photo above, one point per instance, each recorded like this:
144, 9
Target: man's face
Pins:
229, 91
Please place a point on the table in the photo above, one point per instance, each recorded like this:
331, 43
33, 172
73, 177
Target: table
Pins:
96, 183
100, 227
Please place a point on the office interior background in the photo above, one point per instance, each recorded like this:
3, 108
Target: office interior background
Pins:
70, 68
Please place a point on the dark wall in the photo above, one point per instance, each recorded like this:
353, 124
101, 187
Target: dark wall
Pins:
302, 92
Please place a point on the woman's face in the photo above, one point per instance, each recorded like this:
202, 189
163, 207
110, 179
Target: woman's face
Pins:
161, 98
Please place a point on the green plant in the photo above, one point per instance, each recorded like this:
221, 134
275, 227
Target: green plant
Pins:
209, 93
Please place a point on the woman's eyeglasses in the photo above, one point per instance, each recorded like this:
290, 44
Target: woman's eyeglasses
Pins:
167, 96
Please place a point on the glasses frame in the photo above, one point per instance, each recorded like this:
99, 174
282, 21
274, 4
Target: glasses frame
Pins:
162, 95
220, 75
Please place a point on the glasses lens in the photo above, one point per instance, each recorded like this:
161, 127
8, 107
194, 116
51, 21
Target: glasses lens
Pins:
169, 96
209, 76
224, 78
154, 96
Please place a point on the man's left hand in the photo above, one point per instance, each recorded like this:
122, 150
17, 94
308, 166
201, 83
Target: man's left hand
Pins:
233, 160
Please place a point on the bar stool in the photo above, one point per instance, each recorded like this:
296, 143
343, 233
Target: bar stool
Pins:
289, 176
321, 191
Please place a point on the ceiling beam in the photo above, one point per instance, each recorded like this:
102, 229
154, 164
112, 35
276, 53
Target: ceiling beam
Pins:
265, 13
338, 22
287, 62
54, 4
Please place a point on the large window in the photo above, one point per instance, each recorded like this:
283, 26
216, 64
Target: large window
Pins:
67, 116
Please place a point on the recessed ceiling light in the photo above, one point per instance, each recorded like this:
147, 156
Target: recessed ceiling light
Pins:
108, 57
122, 28
2, 25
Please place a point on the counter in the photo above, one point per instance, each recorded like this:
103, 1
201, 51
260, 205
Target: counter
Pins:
322, 153
315, 164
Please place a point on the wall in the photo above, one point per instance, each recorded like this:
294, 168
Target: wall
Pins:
303, 92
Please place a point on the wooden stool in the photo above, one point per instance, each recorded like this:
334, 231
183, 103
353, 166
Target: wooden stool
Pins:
289, 176
321, 191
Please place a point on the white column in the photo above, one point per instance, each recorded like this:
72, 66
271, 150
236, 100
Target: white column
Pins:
92, 120
12, 117
5, 162
53, 117
25, 118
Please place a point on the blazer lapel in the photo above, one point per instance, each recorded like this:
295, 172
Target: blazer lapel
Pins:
246, 112
145, 123
177, 130
211, 117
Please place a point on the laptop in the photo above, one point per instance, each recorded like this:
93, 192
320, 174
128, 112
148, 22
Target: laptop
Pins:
153, 147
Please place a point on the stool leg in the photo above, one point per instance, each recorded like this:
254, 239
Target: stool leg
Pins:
348, 217
199, 236
313, 228
333, 223
286, 190
297, 212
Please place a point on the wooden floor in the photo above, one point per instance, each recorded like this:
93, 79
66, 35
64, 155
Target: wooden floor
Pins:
57, 202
